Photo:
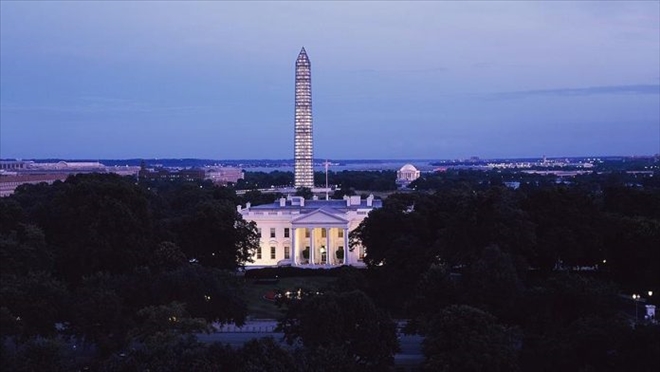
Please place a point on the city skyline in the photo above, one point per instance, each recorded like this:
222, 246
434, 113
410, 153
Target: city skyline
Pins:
420, 80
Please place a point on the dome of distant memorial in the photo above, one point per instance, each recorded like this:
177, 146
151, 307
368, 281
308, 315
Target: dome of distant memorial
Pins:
408, 167
406, 175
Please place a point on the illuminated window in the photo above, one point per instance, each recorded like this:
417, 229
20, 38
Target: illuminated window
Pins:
341, 233
323, 233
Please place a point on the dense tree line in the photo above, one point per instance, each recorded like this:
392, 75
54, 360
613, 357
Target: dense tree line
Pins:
483, 179
104, 273
88, 260
345, 180
520, 279
494, 278
264, 180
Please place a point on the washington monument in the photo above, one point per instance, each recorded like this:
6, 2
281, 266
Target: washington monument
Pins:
303, 140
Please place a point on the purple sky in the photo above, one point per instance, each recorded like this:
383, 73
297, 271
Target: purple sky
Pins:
390, 80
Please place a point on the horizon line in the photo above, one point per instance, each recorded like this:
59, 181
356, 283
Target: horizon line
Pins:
328, 159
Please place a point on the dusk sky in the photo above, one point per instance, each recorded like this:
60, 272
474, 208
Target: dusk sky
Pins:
393, 80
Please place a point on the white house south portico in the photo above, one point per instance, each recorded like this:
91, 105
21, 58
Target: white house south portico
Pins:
308, 233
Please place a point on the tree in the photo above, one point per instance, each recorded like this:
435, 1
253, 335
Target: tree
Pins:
265, 354
567, 226
99, 316
164, 323
492, 283
327, 359
640, 349
633, 257
96, 222
475, 220
591, 343
435, 291
463, 338
558, 301
40, 354
37, 301
305, 192
216, 235
263, 180
23, 250
399, 239
168, 256
340, 193
348, 320
350, 279
208, 293
256, 197
165, 339
11, 215
360, 180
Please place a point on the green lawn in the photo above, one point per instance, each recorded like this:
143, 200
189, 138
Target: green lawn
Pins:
259, 308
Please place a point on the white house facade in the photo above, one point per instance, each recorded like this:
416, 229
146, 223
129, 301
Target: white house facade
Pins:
308, 233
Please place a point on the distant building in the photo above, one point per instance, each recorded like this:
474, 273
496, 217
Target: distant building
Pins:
224, 175
303, 152
13, 165
9, 183
65, 166
407, 174
308, 233
14, 173
163, 174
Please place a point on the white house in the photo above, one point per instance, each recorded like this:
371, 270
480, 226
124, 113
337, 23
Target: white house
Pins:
308, 233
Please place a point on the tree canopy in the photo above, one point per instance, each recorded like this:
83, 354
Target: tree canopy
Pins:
347, 320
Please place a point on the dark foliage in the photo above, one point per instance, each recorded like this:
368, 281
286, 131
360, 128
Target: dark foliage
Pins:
97, 258
348, 321
462, 338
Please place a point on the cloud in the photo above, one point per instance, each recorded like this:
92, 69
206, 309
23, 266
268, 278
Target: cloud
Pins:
588, 91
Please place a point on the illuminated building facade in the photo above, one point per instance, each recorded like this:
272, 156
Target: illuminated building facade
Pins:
308, 233
407, 174
303, 140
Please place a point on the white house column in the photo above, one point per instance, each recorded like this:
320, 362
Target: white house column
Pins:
328, 259
311, 246
346, 260
293, 246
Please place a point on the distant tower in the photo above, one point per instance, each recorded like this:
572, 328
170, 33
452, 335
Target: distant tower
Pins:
303, 144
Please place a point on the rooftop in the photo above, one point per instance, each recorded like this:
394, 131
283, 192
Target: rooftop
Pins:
298, 203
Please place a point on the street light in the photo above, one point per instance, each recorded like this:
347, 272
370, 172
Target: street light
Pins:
636, 299
650, 309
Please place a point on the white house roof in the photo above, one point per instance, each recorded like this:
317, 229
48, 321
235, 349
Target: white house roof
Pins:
320, 216
339, 205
